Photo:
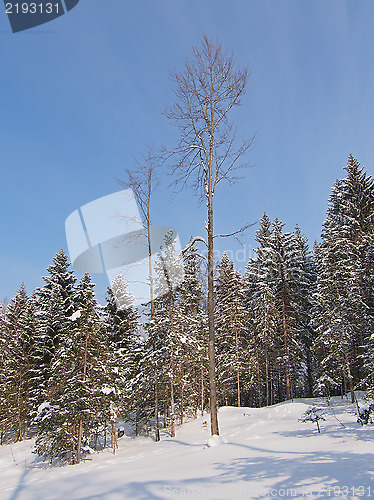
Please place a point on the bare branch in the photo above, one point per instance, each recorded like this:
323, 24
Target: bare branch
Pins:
192, 242
235, 233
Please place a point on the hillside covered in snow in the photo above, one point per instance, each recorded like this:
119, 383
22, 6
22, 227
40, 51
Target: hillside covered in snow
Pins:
266, 453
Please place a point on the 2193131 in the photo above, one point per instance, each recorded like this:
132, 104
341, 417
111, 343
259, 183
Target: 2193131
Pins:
32, 8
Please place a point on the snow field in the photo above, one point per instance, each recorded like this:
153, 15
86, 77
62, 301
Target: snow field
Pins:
261, 453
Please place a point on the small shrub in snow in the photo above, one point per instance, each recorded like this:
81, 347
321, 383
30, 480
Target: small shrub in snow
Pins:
215, 440
365, 414
313, 414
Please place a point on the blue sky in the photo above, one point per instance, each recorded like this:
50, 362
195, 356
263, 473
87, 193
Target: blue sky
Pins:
81, 97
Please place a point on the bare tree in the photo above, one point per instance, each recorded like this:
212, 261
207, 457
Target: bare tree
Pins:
143, 181
207, 91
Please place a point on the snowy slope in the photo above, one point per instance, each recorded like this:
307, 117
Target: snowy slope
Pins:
267, 453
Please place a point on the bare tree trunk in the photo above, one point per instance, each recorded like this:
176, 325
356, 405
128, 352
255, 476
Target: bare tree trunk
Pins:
259, 383
172, 422
309, 373
137, 421
79, 443
280, 387
208, 89
143, 182
202, 391
18, 436
267, 378
286, 348
182, 403
211, 346
271, 388
350, 382
157, 425
114, 437
237, 366
80, 426
157, 428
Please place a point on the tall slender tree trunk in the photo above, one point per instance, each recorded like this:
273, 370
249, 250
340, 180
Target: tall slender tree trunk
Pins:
182, 402
211, 345
271, 388
80, 425
157, 428
258, 383
286, 349
151, 296
209, 88
137, 421
114, 437
79, 443
309, 373
172, 420
280, 387
237, 366
267, 378
143, 182
202, 391
350, 381
18, 435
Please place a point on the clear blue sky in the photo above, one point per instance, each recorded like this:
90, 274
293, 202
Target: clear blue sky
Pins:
81, 97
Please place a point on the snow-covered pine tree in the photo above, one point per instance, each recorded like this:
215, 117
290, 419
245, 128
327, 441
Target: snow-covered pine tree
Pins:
4, 421
264, 319
304, 312
55, 303
169, 268
231, 324
266, 323
121, 321
18, 363
79, 390
147, 393
193, 351
34, 333
164, 342
344, 295
286, 269
277, 271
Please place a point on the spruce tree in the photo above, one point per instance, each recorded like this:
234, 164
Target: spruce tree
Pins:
121, 322
266, 324
80, 392
192, 321
276, 276
55, 302
18, 363
344, 295
304, 297
230, 330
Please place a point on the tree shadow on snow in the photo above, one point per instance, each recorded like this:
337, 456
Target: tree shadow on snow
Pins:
281, 470
290, 472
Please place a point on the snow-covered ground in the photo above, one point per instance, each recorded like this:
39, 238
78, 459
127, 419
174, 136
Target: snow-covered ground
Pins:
267, 453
